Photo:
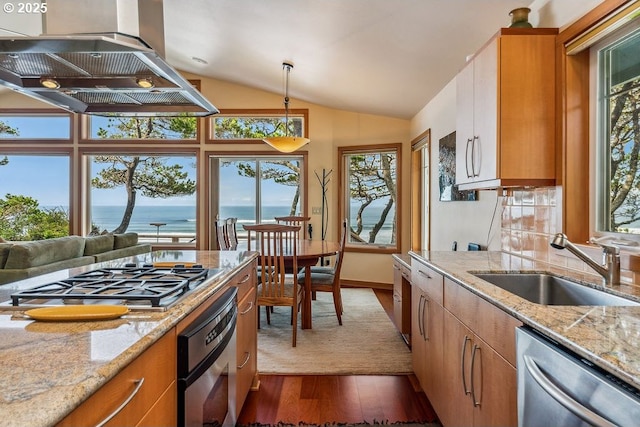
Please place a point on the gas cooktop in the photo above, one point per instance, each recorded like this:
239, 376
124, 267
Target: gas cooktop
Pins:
147, 286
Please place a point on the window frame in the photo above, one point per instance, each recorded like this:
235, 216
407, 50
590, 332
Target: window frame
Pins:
22, 112
213, 191
575, 162
267, 113
600, 132
85, 186
343, 191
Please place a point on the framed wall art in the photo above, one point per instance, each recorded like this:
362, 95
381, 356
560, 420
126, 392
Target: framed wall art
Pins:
447, 172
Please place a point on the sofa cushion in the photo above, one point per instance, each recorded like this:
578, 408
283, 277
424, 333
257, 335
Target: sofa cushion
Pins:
4, 253
41, 252
98, 244
124, 240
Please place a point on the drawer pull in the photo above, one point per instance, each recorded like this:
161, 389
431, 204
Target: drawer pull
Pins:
424, 274
395, 267
242, 313
135, 391
245, 279
247, 357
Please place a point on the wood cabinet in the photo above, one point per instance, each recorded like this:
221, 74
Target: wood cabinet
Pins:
402, 295
427, 329
247, 334
479, 348
150, 382
506, 112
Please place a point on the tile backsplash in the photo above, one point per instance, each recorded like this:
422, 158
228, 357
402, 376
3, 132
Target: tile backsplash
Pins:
530, 219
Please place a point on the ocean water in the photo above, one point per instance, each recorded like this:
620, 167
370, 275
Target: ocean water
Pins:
182, 219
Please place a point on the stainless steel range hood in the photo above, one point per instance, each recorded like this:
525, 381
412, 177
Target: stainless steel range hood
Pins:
101, 57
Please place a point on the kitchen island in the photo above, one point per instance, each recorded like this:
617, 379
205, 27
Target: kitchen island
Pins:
50, 368
607, 336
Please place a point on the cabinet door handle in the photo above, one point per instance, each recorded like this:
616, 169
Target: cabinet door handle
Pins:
466, 157
473, 157
420, 317
245, 279
476, 348
242, 313
464, 351
135, 391
426, 318
563, 398
247, 357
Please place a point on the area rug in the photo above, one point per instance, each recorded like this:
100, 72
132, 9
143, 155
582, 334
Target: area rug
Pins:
367, 343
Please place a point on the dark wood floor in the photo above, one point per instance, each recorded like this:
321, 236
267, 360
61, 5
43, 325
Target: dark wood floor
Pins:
320, 399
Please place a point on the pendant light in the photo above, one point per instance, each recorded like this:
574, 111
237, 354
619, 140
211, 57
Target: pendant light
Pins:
287, 143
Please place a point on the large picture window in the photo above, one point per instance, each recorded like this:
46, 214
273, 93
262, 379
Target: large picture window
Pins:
618, 119
150, 194
30, 210
370, 189
256, 189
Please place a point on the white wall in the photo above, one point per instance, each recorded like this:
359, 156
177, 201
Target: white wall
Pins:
475, 221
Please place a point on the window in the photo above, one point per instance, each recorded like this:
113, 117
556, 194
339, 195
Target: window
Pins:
30, 210
35, 126
150, 194
369, 199
256, 188
617, 63
251, 126
155, 128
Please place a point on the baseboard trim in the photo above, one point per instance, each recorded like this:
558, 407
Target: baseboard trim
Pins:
362, 284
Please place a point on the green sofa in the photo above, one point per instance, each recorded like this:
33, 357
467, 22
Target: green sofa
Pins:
21, 260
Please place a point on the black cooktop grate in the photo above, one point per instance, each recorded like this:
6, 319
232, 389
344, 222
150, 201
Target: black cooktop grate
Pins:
145, 284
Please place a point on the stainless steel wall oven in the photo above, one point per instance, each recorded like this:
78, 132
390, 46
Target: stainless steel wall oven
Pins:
207, 366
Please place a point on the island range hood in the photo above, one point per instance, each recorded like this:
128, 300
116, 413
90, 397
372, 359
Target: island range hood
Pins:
102, 57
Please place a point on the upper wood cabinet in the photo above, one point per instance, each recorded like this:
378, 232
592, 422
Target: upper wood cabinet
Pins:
506, 112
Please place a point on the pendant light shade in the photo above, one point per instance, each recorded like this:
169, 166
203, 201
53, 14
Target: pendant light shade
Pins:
286, 143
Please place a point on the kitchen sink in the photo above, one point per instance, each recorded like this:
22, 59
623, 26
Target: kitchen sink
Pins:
548, 289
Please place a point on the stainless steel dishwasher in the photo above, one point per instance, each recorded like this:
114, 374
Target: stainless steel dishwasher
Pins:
556, 387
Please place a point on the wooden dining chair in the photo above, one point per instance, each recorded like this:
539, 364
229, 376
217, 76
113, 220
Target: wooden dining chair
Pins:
301, 221
222, 243
327, 279
231, 233
276, 288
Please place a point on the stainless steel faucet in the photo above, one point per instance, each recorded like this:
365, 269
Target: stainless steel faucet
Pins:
610, 268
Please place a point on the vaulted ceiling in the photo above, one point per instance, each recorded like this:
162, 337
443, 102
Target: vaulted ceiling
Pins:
386, 57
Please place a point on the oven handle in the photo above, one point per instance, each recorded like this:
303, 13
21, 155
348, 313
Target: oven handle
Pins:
563, 398
135, 391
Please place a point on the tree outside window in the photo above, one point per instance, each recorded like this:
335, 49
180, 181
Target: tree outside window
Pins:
619, 112
370, 188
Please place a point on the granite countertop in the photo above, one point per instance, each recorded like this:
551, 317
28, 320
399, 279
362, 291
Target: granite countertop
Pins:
49, 368
607, 336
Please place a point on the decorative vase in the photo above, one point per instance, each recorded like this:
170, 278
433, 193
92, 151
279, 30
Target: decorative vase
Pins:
520, 18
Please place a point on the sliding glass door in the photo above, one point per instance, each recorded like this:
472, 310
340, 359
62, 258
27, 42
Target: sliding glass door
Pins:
255, 189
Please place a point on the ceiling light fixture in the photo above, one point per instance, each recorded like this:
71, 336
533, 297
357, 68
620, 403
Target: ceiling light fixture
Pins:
286, 143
